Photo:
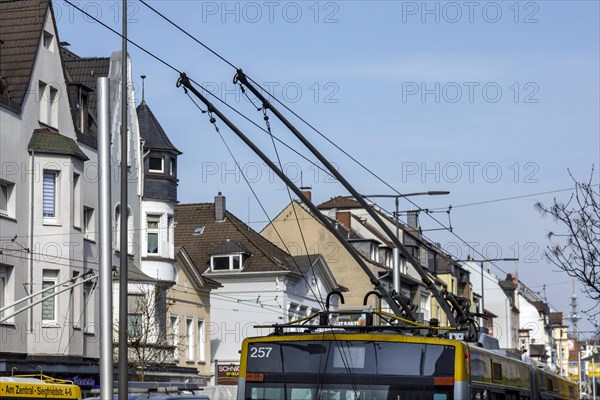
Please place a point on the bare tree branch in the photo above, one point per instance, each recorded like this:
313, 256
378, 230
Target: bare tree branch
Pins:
575, 249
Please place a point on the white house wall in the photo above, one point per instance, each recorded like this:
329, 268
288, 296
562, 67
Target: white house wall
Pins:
529, 318
161, 266
51, 245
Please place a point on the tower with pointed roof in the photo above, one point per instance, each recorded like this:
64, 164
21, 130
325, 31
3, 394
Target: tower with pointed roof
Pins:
159, 196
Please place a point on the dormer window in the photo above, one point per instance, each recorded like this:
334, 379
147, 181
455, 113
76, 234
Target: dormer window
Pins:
155, 164
231, 262
228, 256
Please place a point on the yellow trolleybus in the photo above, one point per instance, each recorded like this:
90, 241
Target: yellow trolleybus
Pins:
37, 387
344, 364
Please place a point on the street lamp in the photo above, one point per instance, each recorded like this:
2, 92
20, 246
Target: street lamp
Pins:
396, 251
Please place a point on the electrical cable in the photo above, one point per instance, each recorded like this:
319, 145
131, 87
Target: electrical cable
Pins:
277, 100
272, 96
319, 299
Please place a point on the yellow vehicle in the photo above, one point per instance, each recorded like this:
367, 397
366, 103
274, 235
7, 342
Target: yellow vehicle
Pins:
375, 363
37, 387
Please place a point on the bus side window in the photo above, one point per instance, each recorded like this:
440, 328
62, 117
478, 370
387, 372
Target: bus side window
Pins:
498, 396
479, 394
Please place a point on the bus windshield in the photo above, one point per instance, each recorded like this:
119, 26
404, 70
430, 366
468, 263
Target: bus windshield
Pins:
349, 370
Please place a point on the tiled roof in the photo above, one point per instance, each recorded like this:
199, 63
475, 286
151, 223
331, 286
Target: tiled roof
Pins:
21, 24
150, 130
265, 257
229, 247
85, 71
46, 141
339, 202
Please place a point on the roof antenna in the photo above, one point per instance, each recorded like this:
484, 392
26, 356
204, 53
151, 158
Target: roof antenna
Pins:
143, 80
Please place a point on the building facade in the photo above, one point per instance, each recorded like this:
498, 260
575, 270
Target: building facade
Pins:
259, 282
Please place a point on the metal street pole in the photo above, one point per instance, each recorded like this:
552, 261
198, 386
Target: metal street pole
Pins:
124, 215
105, 241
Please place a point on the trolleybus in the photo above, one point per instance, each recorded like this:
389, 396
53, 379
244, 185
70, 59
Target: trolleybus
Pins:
378, 363
26, 387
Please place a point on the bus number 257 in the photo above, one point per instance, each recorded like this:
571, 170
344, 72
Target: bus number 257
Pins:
260, 352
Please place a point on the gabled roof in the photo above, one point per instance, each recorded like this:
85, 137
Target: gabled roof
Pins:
265, 256
85, 71
339, 202
153, 134
183, 258
47, 141
21, 25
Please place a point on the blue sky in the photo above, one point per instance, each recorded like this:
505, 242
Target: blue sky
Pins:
488, 100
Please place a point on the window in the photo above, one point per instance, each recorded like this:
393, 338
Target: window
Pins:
49, 309
424, 307
76, 201
42, 101
83, 111
3, 290
85, 315
227, 262
175, 336
48, 100
171, 166
169, 228
49, 194
134, 326
6, 295
201, 342
48, 41
89, 224
374, 252
155, 164
189, 323
152, 233
134, 316
5, 195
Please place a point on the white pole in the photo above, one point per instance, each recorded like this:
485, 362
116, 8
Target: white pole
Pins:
105, 233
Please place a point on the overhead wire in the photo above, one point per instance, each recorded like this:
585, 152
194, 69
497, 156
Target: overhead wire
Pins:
213, 121
271, 96
311, 126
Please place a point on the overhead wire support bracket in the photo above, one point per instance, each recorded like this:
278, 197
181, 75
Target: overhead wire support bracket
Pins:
449, 303
398, 306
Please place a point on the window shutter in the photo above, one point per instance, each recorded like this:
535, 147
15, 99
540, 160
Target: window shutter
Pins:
49, 194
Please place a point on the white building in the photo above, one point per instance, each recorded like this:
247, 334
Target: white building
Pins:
261, 283
48, 204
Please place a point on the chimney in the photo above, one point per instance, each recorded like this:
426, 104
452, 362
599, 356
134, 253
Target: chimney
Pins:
220, 207
412, 219
344, 217
306, 190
